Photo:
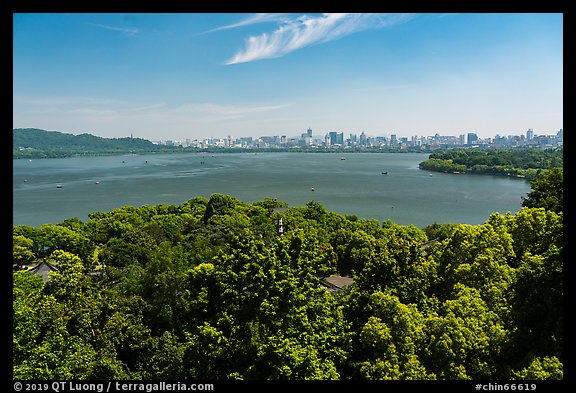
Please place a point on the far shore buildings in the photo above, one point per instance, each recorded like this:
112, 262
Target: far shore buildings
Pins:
337, 139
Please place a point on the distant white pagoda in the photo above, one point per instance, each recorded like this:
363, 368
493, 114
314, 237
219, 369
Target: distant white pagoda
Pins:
280, 227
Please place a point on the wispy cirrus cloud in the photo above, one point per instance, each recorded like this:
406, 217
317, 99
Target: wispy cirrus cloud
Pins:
252, 20
304, 30
229, 110
80, 106
58, 100
94, 107
124, 30
114, 117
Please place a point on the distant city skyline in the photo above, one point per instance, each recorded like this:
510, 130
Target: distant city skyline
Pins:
187, 76
340, 139
311, 134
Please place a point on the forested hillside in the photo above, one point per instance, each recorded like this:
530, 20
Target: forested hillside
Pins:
35, 143
210, 289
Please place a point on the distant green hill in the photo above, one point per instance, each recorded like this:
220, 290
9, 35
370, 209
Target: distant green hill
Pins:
35, 143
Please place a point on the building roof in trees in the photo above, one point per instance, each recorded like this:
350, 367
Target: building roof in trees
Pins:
43, 268
336, 283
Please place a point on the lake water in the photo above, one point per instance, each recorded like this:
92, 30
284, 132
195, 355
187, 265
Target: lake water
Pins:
51, 190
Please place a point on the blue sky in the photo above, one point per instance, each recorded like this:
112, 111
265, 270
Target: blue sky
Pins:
178, 76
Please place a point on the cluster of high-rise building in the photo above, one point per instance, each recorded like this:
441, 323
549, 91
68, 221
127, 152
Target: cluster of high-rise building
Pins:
335, 139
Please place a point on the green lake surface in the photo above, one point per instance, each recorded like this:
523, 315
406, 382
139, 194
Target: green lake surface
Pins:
52, 190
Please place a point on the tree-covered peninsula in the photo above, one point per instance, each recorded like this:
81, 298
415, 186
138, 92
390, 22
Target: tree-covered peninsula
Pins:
517, 162
220, 289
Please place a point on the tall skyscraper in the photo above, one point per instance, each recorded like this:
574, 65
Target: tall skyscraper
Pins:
333, 138
530, 134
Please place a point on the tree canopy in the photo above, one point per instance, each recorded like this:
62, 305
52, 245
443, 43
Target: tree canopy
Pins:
547, 191
210, 289
518, 162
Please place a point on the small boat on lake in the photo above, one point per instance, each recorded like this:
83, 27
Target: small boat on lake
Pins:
384, 173
58, 185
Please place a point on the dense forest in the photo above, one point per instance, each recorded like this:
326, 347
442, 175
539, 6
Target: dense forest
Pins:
213, 289
519, 162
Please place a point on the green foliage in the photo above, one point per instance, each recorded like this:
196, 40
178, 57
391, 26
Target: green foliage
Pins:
210, 290
547, 368
270, 204
442, 165
519, 162
220, 205
547, 191
537, 305
466, 337
21, 250
438, 231
392, 340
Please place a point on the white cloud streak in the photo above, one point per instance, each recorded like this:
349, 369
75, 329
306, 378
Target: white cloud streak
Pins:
114, 117
94, 107
305, 30
229, 110
124, 30
252, 20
